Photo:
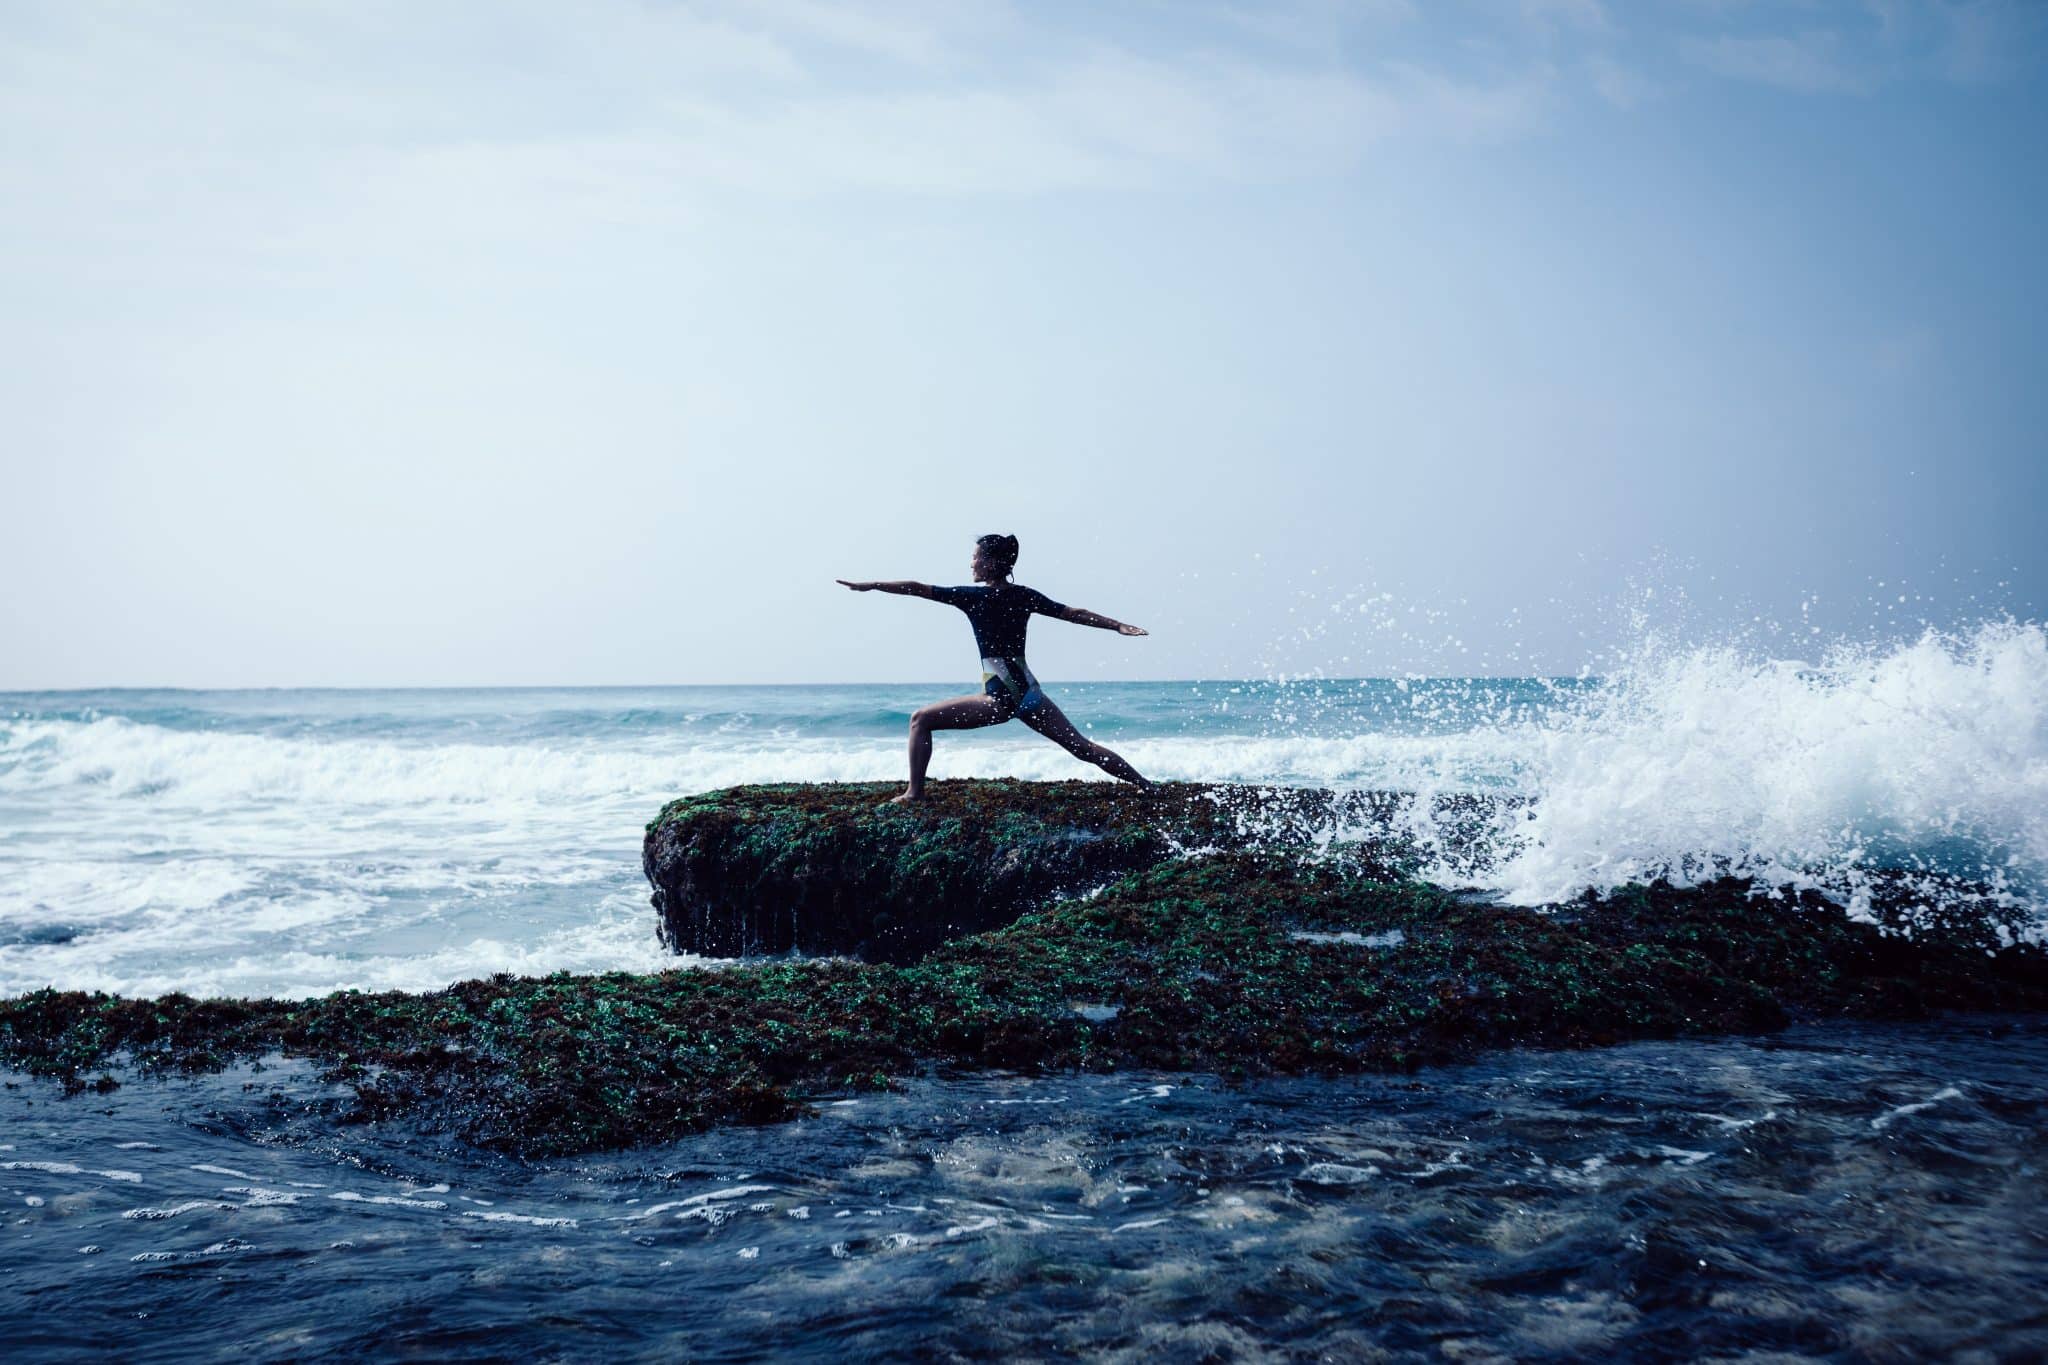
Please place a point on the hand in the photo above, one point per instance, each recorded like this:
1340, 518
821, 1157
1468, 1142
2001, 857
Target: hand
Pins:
1132, 630
857, 587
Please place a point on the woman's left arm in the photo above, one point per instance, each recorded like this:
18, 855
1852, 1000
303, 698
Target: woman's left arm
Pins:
1081, 616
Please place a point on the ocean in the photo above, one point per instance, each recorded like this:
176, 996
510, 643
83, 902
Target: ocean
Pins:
294, 842
1834, 1191
1847, 1192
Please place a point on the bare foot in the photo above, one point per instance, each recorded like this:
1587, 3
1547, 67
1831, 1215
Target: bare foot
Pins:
904, 799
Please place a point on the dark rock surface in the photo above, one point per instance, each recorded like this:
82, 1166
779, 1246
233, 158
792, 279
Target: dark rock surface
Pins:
834, 869
1234, 964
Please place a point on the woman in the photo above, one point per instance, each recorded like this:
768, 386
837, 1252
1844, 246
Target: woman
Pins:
999, 610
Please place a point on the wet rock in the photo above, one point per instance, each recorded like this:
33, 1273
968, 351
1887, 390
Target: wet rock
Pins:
1235, 964
834, 869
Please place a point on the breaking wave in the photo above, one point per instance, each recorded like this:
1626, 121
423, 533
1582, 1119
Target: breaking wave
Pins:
1929, 756
172, 841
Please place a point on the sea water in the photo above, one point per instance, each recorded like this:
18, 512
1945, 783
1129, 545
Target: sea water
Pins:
296, 842
1840, 1191
1853, 1192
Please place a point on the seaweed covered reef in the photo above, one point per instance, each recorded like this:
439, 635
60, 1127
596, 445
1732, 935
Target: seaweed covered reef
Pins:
1238, 962
835, 869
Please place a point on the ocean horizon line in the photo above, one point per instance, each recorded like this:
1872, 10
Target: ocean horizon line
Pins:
1278, 680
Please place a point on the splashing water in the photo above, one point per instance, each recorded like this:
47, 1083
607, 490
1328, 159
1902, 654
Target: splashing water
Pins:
1926, 757
297, 842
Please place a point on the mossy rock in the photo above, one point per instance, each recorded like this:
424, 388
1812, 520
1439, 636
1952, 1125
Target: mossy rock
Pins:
1234, 965
835, 869
1304, 955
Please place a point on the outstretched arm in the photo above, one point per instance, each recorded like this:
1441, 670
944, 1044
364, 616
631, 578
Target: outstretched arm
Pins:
1081, 616
903, 587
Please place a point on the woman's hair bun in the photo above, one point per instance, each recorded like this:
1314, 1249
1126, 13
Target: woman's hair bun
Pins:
1002, 549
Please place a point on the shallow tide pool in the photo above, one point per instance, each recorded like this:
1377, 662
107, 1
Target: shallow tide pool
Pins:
1836, 1192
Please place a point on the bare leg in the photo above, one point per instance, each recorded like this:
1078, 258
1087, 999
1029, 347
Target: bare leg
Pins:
961, 713
1052, 722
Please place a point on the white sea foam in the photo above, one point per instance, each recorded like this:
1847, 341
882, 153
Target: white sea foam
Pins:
1932, 753
68, 1168
1337, 1173
1392, 938
712, 1196
172, 1211
393, 1200
534, 1220
153, 956
145, 858
1891, 1116
210, 768
696, 1205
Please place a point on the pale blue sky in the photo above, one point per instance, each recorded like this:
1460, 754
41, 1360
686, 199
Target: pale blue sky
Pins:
527, 342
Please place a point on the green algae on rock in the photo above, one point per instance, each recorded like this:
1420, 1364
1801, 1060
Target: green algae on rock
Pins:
1234, 964
836, 869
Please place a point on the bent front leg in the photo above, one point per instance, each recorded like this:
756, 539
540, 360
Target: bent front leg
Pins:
960, 713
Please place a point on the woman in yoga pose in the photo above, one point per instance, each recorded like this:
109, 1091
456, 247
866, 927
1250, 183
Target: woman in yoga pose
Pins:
999, 610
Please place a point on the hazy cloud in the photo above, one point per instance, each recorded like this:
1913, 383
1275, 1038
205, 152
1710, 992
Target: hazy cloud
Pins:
414, 340
1986, 42
969, 100
1808, 63
1880, 42
1589, 15
1620, 84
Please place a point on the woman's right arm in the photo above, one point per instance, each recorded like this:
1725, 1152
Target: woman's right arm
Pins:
903, 587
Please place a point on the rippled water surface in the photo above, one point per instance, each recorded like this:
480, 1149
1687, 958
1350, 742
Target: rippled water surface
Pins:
1832, 1192
297, 842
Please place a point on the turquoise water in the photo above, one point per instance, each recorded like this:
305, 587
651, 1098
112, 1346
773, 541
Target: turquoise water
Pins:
295, 842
